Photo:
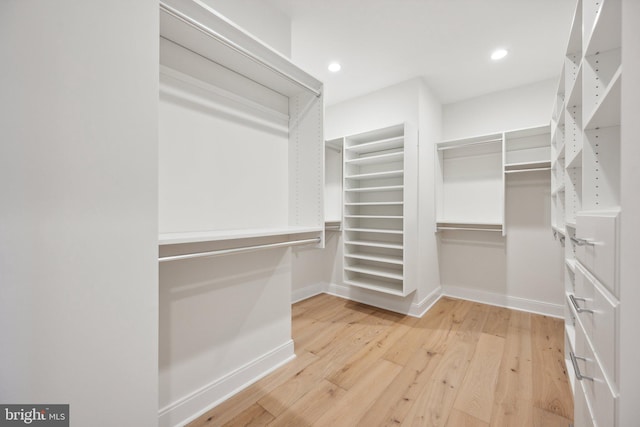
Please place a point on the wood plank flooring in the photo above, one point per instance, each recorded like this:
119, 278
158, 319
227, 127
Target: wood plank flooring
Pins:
461, 364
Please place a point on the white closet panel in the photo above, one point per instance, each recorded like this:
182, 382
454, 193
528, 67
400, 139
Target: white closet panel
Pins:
241, 150
203, 186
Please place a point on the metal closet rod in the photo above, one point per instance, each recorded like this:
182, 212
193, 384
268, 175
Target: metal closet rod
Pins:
243, 249
218, 37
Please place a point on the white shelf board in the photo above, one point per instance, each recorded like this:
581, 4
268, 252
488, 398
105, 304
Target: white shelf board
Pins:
374, 204
373, 230
571, 263
375, 189
375, 271
380, 158
377, 258
378, 285
220, 235
374, 244
382, 145
495, 138
377, 175
375, 216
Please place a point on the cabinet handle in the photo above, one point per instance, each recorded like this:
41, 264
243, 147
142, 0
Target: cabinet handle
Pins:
582, 242
576, 368
574, 302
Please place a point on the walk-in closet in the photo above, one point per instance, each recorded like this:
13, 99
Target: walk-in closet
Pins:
320, 213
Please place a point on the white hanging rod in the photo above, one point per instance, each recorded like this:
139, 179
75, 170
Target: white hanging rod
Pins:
466, 144
242, 249
234, 46
527, 170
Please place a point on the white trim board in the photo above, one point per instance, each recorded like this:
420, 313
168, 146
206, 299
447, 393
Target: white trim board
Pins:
308, 291
194, 405
404, 306
500, 300
400, 305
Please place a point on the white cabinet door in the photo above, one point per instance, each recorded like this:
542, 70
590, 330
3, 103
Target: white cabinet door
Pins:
596, 309
596, 245
598, 394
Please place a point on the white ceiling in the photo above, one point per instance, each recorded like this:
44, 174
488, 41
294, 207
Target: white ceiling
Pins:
448, 42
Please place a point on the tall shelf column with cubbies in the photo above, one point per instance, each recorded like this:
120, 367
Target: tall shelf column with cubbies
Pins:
586, 124
380, 210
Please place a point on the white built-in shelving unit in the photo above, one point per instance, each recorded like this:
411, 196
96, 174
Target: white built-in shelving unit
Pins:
241, 139
471, 175
380, 210
585, 198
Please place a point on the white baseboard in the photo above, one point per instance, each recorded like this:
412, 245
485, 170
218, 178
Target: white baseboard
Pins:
387, 302
501, 300
200, 401
308, 292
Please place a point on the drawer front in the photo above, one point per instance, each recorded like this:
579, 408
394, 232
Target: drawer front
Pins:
581, 411
596, 243
598, 395
597, 310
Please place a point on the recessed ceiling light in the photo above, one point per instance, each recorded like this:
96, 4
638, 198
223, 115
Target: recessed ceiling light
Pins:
499, 54
334, 67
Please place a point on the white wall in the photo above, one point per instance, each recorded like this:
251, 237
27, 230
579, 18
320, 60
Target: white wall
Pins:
258, 17
78, 218
224, 322
412, 102
524, 268
517, 108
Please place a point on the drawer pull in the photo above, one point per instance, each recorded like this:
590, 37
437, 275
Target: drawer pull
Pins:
582, 242
574, 302
576, 368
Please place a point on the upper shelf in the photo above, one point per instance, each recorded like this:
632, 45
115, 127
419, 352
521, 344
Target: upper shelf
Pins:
219, 235
200, 29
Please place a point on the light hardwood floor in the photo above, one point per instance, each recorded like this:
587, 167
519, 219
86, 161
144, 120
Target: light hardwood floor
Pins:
462, 364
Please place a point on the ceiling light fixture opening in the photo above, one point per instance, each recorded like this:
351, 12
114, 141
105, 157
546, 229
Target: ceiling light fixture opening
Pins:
499, 54
334, 67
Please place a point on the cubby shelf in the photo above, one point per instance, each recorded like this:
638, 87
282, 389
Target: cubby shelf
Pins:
380, 202
380, 158
374, 244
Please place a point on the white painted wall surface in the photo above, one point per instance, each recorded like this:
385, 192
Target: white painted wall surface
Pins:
518, 108
78, 218
524, 268
258, 17
224, 321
